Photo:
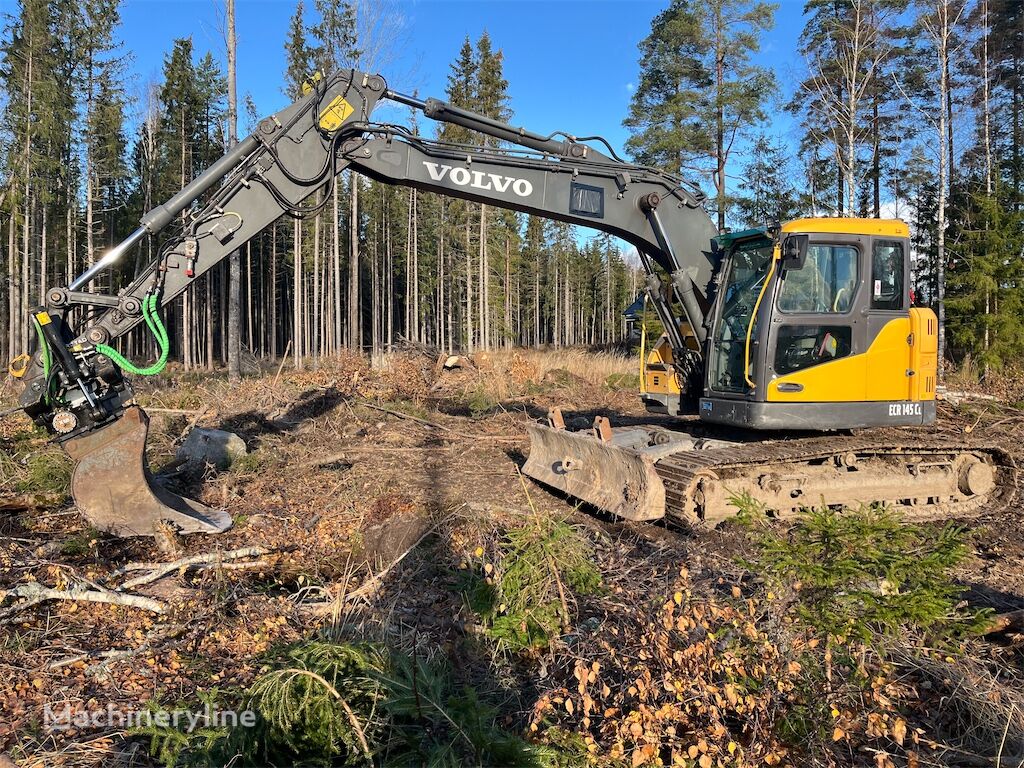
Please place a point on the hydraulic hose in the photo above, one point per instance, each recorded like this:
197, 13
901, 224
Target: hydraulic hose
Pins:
156, 327
47, 362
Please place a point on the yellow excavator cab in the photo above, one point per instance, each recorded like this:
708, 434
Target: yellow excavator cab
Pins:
812, 328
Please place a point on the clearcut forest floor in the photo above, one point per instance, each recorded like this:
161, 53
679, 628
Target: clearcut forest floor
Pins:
364, 491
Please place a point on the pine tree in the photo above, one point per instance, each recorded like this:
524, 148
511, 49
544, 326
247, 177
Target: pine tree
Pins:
846, 45
986, 279
490, 98
300, 55
698, 90
103, 72
1007, 93
770, 195
335, 33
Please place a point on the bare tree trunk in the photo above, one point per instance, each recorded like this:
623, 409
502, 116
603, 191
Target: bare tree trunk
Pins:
315, 316
485, 340
469, 291
273, 292
44, 261
556, 331
567, 329
208, 315
389, 292
354, 325
876, 161
950, 162
417, 322
508, 291
336, 264
447, 295
234, 260
375, 284
442, 275
408, 268
536, 303
297, 324
13, 341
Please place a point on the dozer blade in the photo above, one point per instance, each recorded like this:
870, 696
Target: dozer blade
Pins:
113, 487
606, 473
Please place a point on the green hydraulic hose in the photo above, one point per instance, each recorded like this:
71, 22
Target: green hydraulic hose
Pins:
156, 327
47, 362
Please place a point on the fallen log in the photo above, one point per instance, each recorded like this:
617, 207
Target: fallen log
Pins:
34, 593
158, 570
1006, 622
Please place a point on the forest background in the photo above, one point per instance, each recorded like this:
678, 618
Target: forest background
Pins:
834, 107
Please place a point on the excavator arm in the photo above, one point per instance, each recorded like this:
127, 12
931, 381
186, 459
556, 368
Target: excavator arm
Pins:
74, 383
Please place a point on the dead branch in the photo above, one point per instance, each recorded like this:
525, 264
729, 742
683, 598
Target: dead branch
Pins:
368, 586
35, 593
345, 456
284, 359
158, 570
1006, 622
442, 427
152, 639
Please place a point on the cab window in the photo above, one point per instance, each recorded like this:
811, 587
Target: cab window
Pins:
804, 346
887, 265
825, 284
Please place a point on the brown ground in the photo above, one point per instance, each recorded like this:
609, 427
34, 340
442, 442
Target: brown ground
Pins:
336, 490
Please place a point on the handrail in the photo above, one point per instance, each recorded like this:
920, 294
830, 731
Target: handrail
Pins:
776, 253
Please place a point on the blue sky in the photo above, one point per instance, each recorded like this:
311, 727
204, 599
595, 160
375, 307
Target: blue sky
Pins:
571, 64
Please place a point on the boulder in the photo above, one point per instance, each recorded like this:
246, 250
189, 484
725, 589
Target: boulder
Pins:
211, 446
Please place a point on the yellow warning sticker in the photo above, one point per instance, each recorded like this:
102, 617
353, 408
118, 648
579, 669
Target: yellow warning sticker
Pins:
43, 318
336, 113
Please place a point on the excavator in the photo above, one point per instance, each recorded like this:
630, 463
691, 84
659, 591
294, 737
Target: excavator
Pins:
804, 327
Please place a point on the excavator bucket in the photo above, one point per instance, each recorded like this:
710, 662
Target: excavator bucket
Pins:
113, 488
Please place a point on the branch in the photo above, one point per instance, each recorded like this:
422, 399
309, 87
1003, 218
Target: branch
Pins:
368, 586
435, 425
159, 570
35, 593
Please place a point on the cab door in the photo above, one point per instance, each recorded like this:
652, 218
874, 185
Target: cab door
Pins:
817, 326
889, 332
841, 329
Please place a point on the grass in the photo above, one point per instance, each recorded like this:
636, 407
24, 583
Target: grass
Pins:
864, 574
523, 589
46, 472
343, 703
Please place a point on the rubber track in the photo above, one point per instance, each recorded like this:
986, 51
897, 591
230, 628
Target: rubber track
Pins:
679, 470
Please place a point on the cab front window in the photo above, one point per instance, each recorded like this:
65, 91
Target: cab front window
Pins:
747, 270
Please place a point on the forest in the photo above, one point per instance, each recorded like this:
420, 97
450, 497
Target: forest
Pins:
906, 109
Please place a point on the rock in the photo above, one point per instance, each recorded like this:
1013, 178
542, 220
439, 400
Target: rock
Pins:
211, 446
453, 362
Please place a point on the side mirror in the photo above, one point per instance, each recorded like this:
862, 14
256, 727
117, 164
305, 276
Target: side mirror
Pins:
794, 251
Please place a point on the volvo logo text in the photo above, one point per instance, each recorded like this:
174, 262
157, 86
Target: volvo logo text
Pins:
464, 177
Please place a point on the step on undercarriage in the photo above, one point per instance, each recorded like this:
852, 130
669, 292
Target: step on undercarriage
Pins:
649, 472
